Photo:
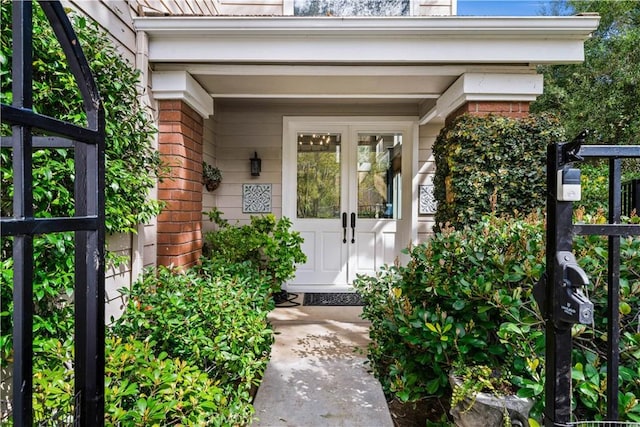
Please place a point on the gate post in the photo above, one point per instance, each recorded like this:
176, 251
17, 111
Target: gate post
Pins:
559, 293
558, 334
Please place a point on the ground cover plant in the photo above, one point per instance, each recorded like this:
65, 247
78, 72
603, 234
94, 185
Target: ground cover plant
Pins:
465, 298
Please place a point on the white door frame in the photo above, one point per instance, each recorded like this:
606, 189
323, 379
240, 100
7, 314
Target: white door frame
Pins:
406, 231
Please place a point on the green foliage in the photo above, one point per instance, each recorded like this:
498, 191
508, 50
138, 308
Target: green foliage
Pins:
491, 164
602, 93
318, 196
143, 387
210, 173
190, 349
595, 186
52, 290
478, 379
132, 165
189, 316
266, 243
590, 342
465, 299
213, 317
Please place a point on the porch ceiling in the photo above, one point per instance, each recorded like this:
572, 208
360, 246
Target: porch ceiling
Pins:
321, 82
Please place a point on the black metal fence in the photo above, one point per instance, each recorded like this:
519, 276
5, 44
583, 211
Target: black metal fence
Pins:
560, 295
631, 197
87, 222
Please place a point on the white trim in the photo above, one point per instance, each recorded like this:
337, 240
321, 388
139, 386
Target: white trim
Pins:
579, 27
350, 96
318, 288
485, 87
326, 70
287, 7
379, 40
180, 85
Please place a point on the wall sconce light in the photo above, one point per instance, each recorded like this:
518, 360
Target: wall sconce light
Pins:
256, 164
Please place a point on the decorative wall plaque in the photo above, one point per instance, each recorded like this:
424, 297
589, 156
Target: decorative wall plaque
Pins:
428, 202
256, 198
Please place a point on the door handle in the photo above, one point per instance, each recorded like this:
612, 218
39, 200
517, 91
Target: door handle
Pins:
344, 227
353, 227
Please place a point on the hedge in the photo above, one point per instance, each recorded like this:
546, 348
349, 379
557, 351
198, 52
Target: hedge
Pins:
491, 164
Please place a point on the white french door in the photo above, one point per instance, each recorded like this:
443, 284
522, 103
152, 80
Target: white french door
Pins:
344, 189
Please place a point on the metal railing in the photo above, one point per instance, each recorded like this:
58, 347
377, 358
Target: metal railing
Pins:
631, 197
87, 223
560, 294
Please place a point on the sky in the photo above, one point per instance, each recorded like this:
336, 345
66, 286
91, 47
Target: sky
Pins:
501, 7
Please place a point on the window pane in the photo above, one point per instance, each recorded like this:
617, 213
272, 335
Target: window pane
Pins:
351, 7
318, 175
379, 175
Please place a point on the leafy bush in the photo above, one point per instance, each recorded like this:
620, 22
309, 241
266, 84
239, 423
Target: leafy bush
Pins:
491, 164
465, 299
267, 243
144, 387
190, 348
213, 317
595, 184
132, 164
590, 342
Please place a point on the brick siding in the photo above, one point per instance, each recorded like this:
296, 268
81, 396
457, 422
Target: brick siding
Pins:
180, 146
515, 109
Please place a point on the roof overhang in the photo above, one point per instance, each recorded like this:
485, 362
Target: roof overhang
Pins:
433, 40
416, 59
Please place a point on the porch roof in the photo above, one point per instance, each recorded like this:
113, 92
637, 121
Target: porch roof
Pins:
388, 58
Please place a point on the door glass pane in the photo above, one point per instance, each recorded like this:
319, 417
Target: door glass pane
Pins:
379, 175
318, 175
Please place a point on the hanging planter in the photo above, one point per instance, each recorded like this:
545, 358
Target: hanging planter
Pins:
211, 176
481, 400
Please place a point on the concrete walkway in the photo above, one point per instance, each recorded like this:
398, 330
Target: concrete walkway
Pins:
317, 374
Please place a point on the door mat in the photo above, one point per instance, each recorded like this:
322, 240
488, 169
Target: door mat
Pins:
332, 299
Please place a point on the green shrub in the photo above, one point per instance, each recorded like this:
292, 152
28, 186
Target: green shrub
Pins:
213, 317
595, 185
491, 164
132, 165
190, 348
144, 388
267, 243
590, 342
465, 299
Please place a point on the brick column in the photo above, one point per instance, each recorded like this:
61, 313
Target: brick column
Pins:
514, 109
180, 146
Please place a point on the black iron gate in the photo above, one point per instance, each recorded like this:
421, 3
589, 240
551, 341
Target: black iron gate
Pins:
87, 222
560, 296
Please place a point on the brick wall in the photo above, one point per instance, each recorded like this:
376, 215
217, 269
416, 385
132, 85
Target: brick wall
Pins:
515, 109
180, 223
